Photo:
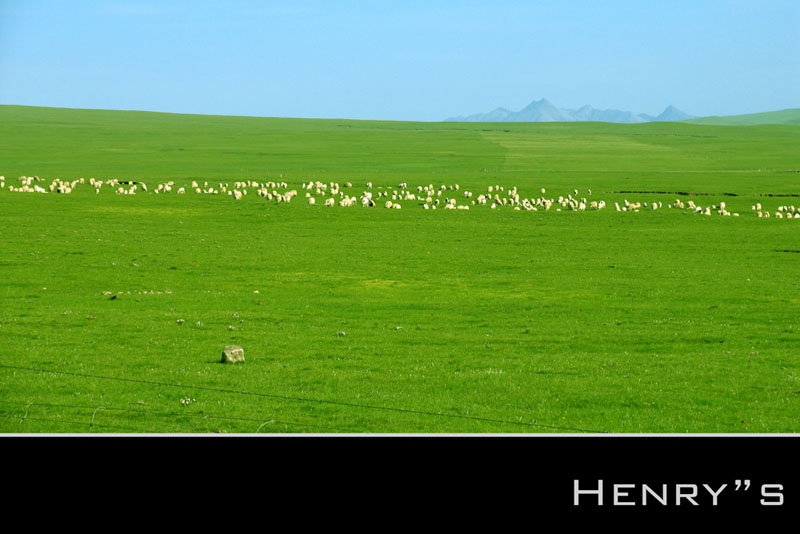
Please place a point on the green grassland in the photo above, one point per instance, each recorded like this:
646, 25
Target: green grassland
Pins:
785, 116
381, 320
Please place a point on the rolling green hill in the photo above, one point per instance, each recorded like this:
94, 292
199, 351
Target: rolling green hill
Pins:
786, 116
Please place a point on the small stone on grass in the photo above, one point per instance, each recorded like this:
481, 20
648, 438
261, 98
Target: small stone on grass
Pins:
232, 354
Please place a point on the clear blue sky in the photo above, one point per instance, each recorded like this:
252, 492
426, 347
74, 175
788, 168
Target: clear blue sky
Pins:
402, 60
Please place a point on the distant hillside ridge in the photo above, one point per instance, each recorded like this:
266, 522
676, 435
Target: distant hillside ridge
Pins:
543, 111
784, 116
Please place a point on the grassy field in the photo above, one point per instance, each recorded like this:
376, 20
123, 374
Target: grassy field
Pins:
383, 320
785, 116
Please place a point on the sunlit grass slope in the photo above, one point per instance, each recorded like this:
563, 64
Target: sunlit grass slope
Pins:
786, 116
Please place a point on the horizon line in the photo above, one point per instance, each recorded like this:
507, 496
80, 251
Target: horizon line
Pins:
362, 120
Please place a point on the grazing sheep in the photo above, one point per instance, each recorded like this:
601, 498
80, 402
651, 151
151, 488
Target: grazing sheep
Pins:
427, 196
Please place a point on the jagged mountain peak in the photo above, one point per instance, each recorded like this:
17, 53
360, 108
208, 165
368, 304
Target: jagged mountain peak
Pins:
671, 113
544, 111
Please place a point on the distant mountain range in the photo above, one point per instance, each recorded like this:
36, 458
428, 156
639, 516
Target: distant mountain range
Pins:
544, 111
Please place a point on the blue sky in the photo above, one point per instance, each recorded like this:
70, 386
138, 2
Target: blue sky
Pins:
403, 60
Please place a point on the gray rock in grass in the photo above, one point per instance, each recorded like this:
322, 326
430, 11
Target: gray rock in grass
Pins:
232, 354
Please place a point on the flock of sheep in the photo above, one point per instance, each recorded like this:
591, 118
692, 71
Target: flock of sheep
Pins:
430, 197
